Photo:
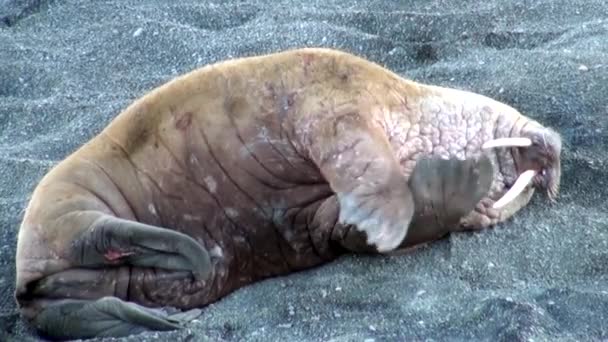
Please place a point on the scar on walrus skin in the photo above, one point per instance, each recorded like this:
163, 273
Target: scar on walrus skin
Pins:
259, 167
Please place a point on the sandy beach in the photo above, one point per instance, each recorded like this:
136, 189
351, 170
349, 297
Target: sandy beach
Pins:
68, 67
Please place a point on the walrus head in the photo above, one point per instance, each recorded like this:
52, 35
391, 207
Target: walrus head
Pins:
536, 156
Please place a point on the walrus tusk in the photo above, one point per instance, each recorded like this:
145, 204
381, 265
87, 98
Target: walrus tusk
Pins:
507, 142
523, 180
520, 184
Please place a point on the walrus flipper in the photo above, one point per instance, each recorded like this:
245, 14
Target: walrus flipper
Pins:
84, 301
105, 317
445, 190
356, 158
116, 241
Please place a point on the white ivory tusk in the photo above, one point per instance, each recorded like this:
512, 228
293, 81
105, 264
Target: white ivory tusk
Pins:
520, 184
507, 142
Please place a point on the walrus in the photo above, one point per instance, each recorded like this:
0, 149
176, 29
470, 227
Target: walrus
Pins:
260, 166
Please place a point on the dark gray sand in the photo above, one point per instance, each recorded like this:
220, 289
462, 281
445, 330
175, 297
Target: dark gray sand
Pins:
67, 67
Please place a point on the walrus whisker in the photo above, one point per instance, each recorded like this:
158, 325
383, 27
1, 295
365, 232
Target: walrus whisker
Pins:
520, 184
507, 142
553, 191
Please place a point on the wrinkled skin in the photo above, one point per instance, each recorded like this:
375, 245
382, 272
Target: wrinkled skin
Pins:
254, 168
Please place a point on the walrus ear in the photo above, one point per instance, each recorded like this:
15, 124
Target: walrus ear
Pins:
444, 191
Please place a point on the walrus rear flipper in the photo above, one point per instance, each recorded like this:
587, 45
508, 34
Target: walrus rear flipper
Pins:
445, 190
105, 317
91, 296
116, 241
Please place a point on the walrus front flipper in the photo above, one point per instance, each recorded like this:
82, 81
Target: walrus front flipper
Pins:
445, 190
115, 241
357, 160
105, 317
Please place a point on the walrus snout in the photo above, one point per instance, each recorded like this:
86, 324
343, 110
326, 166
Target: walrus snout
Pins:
541, 160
